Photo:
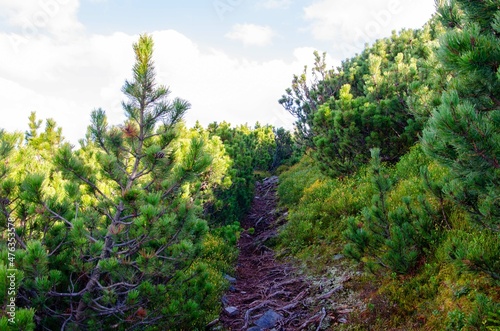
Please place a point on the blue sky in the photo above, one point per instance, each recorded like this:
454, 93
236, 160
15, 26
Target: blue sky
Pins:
205, 21
232, 59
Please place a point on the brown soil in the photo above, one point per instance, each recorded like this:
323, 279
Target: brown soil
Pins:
263, 283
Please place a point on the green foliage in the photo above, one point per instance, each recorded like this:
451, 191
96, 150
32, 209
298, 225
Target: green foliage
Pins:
318, 206
475, 250
418, 291
264, 140
294, 181
463, 133
426, 217
455, 320
346, 113
7, 184
395, 232
286, 151
137, 226
233, 200
50, 139
254, 153
493, 321
111, 235
423, 281
477, 319
374, 96
302, 101
23, 319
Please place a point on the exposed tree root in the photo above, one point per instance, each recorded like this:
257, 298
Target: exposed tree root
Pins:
265, 284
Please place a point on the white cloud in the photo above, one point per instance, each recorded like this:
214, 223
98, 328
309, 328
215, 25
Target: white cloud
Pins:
274, 4
64, 81
67, 80
349, 24
221, 87
251, 34
30, 18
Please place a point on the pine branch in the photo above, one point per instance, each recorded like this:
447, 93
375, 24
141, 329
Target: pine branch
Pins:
68, 223
96, 272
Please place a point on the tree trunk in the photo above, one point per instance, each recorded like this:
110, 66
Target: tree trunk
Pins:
96, 273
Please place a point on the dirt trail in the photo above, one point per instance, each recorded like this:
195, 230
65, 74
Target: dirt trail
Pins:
267, 294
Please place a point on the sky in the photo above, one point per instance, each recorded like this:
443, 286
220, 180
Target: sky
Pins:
231, 59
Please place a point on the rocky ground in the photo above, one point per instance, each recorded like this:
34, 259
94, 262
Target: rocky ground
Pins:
267, 294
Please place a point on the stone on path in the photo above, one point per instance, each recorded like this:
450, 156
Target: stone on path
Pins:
232, 311
269, 319
225, 301
230, 279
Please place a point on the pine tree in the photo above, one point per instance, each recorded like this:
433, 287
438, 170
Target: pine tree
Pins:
373, 100
285, 147
394, 234
464, 132
10, 238
302, 100
241, 145
264, 142
117, 229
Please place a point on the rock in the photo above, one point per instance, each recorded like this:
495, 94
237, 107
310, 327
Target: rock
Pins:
255, 328
232, 311
225, 301
232, 289
269, 319
338, 257
342, 320
230, 279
